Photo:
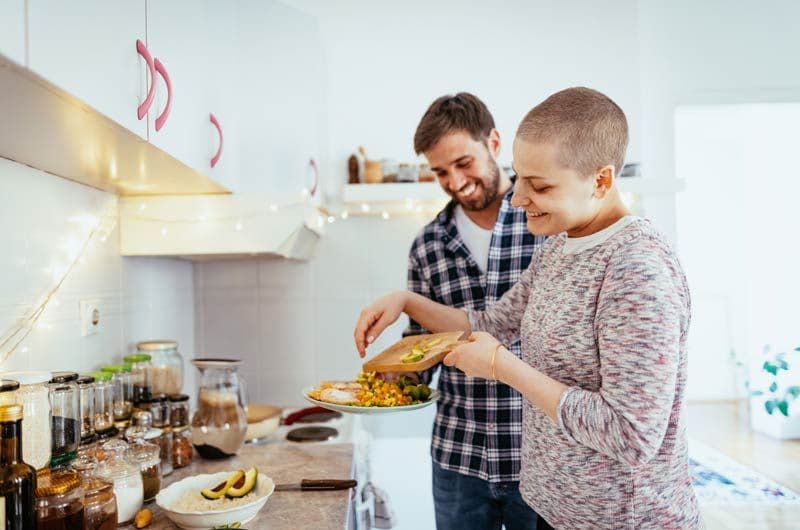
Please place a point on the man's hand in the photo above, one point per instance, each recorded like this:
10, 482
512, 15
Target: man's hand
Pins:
376, 317
475, 357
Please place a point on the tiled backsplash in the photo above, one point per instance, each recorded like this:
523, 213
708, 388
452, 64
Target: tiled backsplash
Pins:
139, 298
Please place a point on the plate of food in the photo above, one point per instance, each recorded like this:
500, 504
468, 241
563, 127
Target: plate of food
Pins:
371, 394
210, 501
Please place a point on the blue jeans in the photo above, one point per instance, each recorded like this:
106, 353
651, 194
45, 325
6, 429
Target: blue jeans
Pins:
469, 503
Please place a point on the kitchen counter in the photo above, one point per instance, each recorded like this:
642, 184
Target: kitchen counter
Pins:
284, 463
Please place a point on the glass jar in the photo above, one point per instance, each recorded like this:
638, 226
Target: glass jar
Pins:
160, 409
34, 396
182, 451
166, 365
104, 405
118, 469
59, 500
66, 430
148, 456
8, 392
122, 381
220, 423
86, 397
99, 501
140, 367
179, 410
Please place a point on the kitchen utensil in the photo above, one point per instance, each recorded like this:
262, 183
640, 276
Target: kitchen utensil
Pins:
373, 172
318, 485
389, 360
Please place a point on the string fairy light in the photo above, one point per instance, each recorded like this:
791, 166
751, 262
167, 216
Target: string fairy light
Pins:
99, 228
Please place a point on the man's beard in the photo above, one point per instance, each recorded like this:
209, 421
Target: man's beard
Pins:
490, 191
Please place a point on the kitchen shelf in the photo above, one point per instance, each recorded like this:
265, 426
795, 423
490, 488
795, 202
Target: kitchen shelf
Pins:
393, 198
55, 132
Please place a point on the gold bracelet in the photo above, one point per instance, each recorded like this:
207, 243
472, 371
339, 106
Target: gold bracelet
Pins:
494, 356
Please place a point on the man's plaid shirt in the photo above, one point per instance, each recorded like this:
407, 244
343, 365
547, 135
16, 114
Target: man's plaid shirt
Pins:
478, 424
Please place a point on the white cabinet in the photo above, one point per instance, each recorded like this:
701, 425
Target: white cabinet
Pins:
180, 37
89, 50
12, 30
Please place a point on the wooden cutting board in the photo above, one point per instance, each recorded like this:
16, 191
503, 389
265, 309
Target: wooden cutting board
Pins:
389, 359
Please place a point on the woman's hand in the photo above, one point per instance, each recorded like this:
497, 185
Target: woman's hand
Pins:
376, 317
474, 358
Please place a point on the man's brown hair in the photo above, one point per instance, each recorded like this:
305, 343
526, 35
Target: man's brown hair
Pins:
448, 114
588, 128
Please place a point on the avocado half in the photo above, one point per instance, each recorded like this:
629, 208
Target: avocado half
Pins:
244, 485
219, 491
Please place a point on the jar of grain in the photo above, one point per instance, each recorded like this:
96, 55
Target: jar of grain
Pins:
166, 366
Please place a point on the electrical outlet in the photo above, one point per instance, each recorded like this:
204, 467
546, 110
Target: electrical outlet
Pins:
90, 317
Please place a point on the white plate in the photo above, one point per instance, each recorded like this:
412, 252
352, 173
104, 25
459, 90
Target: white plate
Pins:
210, 519
353, 409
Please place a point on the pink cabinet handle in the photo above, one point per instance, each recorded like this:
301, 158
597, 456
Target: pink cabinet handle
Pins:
141, 111
215, 158
165, 114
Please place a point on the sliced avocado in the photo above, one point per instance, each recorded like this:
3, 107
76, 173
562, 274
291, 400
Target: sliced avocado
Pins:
411, 357
432, 343
219, 491
244, 485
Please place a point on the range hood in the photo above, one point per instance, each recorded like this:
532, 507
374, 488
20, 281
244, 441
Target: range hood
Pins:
212, 227
166, 207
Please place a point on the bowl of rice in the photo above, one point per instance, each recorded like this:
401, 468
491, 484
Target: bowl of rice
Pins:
187, 508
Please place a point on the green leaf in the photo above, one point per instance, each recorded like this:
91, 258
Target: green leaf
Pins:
793, 391
773, 387
755, 393
769, 367
783, 406
770, 406
797, 349
783, 364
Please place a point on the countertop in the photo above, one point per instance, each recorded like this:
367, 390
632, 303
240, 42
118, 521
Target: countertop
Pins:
285, 463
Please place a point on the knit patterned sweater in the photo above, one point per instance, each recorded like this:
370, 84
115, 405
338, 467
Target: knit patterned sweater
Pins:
611, 323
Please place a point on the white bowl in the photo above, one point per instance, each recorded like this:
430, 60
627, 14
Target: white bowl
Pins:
210, 519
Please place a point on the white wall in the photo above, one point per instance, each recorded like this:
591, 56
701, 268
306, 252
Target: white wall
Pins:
740, 164
140, 298
712, 52
387, 61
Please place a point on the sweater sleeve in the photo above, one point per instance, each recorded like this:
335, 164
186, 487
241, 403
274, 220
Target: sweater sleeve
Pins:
502, 319
641, 316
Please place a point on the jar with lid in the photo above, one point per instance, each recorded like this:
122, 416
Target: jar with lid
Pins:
166, 365
142, 429
407, 173
99, 501
140, 376
160, 409
8, 392
66, 429
122, 381
34, 396
59, 500
179, 410
103, 405
86, 397
148, 456
182, 451
118, 469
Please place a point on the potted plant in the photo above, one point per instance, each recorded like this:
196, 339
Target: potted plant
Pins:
773, 407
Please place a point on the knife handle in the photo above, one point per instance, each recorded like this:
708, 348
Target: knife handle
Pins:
327, 484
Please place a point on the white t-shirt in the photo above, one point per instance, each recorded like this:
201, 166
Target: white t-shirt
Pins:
476, 238
573, 245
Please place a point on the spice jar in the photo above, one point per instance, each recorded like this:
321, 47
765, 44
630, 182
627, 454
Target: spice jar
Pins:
160, 409
166, 365
122, 381
86, 397
34, 396
118, 469
179, 410
104, 405
66, 429
147, 455
8, 392
99, 501
182, 451
140, 367
59, 500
